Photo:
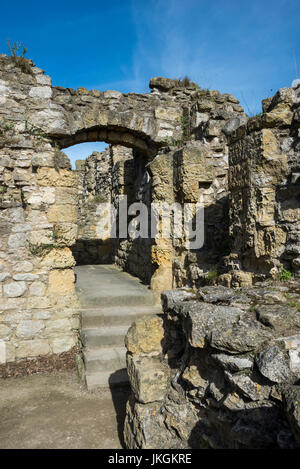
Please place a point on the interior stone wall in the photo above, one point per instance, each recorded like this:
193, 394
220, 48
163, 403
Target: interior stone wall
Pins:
94, 189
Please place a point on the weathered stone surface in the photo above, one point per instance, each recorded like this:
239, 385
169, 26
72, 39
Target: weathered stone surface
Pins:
61, 281
280, 317
291, 403
245, 336
58, 259
149, 378
32, 348
29, 329
273, 363
233, 363
145, 337
15, 289
231, 399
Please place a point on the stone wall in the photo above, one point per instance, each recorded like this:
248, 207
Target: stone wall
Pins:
177, 151
220, 369
264, 187
94, 189
39, 196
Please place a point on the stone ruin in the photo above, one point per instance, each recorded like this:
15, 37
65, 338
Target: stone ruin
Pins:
223, 329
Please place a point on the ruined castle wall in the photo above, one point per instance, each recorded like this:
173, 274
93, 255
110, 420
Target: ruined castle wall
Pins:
264, 188
220, 369
195, 170
132, 179
39, 196
38, 224
94, 189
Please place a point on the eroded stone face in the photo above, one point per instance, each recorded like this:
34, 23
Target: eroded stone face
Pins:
239, 391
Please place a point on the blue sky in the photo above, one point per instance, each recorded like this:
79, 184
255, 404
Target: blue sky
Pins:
235, 46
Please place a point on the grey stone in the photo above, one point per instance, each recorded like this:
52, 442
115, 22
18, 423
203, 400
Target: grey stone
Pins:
37, 289
112, 94
203, 320
234, 124
29, 329
15, 289
233, 363
149, 378
251, 389
291, 405
278, 317
273, 363
27, 276
17, 240
242, 337
4, 276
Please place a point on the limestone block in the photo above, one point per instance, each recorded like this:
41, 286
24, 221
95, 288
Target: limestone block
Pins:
44, 196
66, 195
38, 302
58, 325
162, 279
5, 332
280, 116
61, 281
40, 237
63, 344
15, 289
149, 378
58, 259
17, 240
37, 289
42, 92
52, 178
4, 276
27, 276
62, 213
169, 114
29, 329
66, 233
145, 337
32, 348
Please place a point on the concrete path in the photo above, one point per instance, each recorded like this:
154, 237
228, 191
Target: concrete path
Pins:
110, 301
54, 411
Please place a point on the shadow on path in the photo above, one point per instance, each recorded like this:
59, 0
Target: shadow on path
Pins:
120, 395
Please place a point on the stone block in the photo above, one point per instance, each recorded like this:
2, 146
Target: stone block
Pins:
145, 337
61, 281
15, 289
149, 378
32, 348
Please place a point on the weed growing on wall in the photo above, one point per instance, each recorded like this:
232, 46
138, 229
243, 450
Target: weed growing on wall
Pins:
17, 52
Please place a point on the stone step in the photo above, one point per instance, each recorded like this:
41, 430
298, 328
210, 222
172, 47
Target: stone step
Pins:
111, 300
104, 379
104, 359
104, 337
129, 299
116, 315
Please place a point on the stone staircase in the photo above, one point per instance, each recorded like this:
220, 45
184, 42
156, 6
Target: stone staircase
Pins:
110, 301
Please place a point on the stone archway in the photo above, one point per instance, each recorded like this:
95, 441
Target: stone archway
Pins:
39, 216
